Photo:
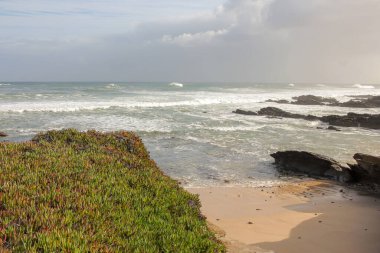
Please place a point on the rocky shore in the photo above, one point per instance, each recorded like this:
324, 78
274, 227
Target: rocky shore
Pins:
371, 121
367, 101
366, 171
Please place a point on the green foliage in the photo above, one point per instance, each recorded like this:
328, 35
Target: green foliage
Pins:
68, 191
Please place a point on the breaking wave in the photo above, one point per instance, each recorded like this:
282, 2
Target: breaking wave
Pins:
61, 106
5, 84
360, 86
174, 84
111, 86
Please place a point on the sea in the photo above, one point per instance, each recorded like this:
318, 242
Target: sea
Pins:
189, 128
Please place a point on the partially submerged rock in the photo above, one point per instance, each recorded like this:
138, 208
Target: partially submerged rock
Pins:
314, 100
280, 101
2, 134
371, 121
353, 120
363, 102
243, 112
276, 112
312, 164
367, 168
332, 128
367, 101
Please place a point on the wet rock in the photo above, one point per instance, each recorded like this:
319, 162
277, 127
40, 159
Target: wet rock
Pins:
312, 164
330, 128
2, 134
276, 112
371, 121
354, 120
366, 101
243, 112
314, 100
363, 102
280, 101
367, 168
334, 128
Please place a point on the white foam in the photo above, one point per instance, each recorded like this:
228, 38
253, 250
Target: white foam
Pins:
360, 86
5, 84
150, 102
111, 85
291, 84
174, 84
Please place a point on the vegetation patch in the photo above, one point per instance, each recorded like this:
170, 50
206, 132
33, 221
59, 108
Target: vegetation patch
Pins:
69, 191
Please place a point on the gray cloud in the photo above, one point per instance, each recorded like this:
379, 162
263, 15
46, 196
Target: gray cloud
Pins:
242, 40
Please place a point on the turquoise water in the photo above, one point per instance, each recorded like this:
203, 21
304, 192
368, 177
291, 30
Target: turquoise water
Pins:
190, 130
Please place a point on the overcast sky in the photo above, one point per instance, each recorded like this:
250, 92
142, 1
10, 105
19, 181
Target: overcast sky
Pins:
313, 41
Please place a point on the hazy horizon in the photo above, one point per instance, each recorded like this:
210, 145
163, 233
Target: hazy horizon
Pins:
245, 41
181, 82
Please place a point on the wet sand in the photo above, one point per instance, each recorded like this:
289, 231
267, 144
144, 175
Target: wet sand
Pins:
313, 217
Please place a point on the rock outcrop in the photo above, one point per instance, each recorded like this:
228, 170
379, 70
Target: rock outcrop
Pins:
371, 121
333, 128
358, 102
276, 112
312, 164
366, 171
238, 111
367, 168
2, 134
314, 100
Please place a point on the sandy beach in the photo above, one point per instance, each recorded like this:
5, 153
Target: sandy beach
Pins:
312, 216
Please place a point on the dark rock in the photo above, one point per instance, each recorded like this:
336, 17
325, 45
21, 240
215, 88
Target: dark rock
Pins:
313, 164
354, 120
330, 128
314, 100
334, 128
363, 102
2, 134
367, 168
371, 121
280, 101
238, 111
366, 101
276, 112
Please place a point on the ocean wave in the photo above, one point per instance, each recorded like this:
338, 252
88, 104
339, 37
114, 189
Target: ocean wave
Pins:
112, 86
5, 84
63, 106
291, 84
360, 86
174, 84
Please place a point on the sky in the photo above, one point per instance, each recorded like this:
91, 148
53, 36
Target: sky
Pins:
295, 41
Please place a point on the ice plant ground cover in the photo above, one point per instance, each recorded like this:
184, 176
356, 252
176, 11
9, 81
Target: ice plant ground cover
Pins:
76, 191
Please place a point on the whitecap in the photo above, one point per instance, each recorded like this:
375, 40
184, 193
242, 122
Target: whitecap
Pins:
111, 85
360, 86
291, 84
174, 84
5, 84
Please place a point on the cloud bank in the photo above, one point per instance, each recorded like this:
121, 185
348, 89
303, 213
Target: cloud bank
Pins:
317, 41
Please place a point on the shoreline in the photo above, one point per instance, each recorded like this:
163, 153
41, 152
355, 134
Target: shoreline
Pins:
312, 216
